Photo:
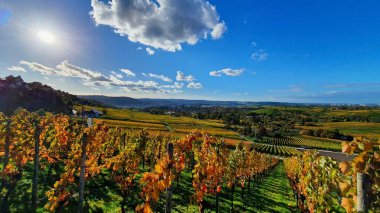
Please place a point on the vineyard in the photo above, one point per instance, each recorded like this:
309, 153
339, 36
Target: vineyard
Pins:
57, 163
303, 142
179, 126
275, 149
54, 163
357, 129
287, 146
322, 184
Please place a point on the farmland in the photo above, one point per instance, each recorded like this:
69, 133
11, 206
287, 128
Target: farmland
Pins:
248, 172
179, 126
357, 129
304, 142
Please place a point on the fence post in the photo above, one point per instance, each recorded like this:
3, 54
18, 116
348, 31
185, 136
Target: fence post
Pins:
169, 192
82, 172
363, 186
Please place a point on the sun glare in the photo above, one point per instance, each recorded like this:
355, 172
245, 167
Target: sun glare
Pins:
46, 37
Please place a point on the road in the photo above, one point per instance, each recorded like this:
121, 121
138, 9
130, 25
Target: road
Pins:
338, 156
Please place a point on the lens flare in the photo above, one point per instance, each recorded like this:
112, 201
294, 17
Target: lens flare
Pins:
46, 37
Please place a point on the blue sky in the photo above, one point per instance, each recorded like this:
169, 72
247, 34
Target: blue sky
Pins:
294, 51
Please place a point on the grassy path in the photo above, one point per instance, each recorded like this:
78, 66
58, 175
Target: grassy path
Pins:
273, 194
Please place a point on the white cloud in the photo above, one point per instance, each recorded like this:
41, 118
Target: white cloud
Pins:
16, 69
227, 71
182, 77
161, 77
193, 85
117, 75
147, 87
34, 66
253, 44
259, 55
162, 24
69, 70
94, 79
128, 72
150, 51
218, 30
139, 48
176, 85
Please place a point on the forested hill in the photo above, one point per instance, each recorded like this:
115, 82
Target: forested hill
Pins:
15, 93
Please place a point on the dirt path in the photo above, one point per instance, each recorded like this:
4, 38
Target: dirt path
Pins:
274, 193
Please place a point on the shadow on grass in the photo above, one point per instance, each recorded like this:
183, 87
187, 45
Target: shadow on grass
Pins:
273, 194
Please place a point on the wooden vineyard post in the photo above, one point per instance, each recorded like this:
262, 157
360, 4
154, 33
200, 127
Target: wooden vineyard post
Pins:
36, 166
82, 172
363, 186
169, 192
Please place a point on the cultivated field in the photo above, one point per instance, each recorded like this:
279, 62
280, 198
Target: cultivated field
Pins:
355, 129
177, 126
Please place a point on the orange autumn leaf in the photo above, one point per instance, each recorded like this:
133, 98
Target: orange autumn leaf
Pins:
219, 189
347, 204
347, 148
344, 167
344, 187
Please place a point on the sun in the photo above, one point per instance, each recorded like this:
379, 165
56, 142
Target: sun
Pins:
46, 37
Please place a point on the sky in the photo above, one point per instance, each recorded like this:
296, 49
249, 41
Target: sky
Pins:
253, 50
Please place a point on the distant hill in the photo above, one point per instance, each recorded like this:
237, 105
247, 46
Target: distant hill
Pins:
127, 102
15, 93
120, 102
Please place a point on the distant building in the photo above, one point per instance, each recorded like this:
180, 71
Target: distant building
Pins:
169, 113
92, 114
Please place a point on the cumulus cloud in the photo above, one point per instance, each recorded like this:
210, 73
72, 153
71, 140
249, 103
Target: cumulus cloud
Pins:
161, 77
218, 30
193, 85
162, 24
259, 55
182, 77
150, 51
128, 72
227, 71
96, 79
176, 85
117, 75
147, 87
16, 69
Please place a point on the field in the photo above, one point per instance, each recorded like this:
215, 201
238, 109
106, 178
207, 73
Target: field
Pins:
355, 129
370, 113
277, 150
304, 142
262, 189
178, 126
275, 110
